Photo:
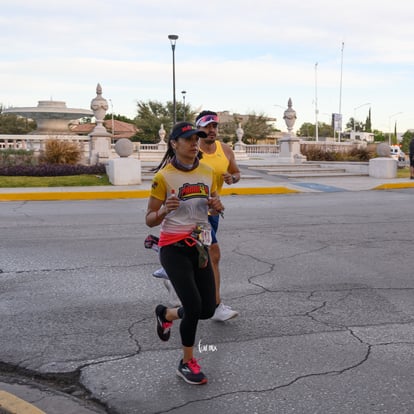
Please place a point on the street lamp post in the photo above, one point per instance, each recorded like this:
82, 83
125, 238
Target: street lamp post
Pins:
316, 103
389, 125
184, 92
340, 94
173, 39
360, 106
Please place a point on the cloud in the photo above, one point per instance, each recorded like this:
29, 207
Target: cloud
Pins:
228, 55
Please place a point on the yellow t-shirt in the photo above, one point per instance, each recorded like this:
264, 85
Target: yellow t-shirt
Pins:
218, 162
193, 188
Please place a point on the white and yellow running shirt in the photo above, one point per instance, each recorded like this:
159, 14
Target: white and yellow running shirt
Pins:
218, 162
193, 188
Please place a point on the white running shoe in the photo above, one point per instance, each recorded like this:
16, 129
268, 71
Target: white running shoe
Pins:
224, 313
174, 301
160, 273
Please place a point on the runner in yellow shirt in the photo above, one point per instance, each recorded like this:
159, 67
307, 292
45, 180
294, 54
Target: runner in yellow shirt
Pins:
183, 194
220, 157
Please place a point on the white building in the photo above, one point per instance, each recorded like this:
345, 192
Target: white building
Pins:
361, 136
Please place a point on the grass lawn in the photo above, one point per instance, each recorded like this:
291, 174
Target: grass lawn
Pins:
88, 180
403, 172
64, 181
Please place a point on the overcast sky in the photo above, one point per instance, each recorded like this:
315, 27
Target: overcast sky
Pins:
231, 55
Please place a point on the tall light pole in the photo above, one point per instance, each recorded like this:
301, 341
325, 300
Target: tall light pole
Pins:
173, 39
389, 125
340, 91
184, 92
316, 103
360, 106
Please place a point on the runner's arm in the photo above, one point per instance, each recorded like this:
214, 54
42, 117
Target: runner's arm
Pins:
233, 173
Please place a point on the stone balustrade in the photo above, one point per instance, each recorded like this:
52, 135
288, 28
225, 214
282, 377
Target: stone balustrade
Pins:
155, 152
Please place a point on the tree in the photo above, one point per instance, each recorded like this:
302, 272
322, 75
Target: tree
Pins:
257, 128
353, 125
405, 142
308, 130
379, 136
394, 139
368, 125
325, 130
121, 118
14, 124
152, 114
227, 130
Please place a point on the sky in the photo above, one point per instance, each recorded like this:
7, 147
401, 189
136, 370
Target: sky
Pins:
245, 57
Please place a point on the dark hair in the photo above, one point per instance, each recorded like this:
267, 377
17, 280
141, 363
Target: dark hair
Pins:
168, 156
204, 113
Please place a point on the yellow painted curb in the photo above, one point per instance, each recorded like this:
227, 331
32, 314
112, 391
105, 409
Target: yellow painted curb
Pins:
10, 404
393, 185
257, 191
78, 195
106, 195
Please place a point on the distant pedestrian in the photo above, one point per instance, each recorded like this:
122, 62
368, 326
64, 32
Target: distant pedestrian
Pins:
183, 193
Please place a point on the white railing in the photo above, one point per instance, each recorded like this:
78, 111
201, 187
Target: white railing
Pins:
36, 143
262, 149
153, 152
147, 147
332, 146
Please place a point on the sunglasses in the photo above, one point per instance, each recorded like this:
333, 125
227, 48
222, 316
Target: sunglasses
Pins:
207, 119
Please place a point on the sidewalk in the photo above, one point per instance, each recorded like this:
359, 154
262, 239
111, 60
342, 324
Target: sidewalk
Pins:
251, 185
22, 399
255, 180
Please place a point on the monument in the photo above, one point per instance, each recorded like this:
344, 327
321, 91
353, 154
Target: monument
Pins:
52, 117
124, 170
383, 166
290, 144
240, 146
162, 145
100, 138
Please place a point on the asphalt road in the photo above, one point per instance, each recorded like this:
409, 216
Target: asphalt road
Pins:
323, 283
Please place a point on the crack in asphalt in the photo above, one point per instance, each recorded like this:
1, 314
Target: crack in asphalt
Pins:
275, 388
348, 292
359, 363
70, 382
71, 269
66, 383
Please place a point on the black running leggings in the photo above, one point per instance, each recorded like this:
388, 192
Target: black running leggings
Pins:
195, 287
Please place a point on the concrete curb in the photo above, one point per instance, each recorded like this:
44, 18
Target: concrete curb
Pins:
10, 404
391, 186
73, 195
257, 191
51, 195
102, 195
